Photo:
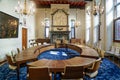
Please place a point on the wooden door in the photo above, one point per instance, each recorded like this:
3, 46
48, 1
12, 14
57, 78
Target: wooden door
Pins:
24, 38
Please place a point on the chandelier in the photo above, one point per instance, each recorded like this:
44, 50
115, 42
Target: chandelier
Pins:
97, 8
25, 8
77, 23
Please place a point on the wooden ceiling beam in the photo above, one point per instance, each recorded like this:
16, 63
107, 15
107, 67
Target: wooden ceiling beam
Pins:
49, 2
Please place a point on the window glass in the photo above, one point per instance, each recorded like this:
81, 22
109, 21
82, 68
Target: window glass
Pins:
88, 34
47, 22
72, 28
88, 26
95, 34
47, 25
72, 23
72, 32
118, 10
118, 1
47, 32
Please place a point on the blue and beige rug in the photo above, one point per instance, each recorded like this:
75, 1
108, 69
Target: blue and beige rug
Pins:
107, 70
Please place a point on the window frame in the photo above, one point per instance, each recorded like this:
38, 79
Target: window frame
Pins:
116, 23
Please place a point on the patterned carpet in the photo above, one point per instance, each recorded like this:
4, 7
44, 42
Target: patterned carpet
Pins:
107, 70
59, 54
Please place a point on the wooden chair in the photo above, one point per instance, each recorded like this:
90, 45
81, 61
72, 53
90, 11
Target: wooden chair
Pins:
73, 41
39, 73
99, 50
11, 62
110, 53
102, 54
93, 71
73, 72
117, 51
39, 44
18, 50
35, 44
37, 52
23, 48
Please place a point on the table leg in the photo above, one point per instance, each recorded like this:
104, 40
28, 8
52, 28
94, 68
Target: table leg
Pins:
113, 58
118, 61
57, 76
54, 76
18, 72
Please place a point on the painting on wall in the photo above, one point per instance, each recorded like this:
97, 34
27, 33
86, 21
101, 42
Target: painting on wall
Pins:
116, 31
8, 26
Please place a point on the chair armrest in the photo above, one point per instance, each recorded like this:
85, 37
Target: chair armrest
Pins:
62, 73
50, 74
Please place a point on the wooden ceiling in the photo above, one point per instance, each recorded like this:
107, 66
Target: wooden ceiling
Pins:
73, 3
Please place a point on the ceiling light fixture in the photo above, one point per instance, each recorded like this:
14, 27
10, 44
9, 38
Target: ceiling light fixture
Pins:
97, 8
77, 23
25, 8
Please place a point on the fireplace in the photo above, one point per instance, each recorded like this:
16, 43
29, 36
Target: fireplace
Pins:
59, 35
59, 27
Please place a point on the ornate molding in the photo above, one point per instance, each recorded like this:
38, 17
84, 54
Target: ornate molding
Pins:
59, 29
60, 18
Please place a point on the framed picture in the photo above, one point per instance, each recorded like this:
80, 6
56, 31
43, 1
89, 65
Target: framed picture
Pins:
8, 26
116, 30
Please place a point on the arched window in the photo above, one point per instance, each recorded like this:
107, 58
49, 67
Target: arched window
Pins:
72, 28
47, 26
117, 8
116, 27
